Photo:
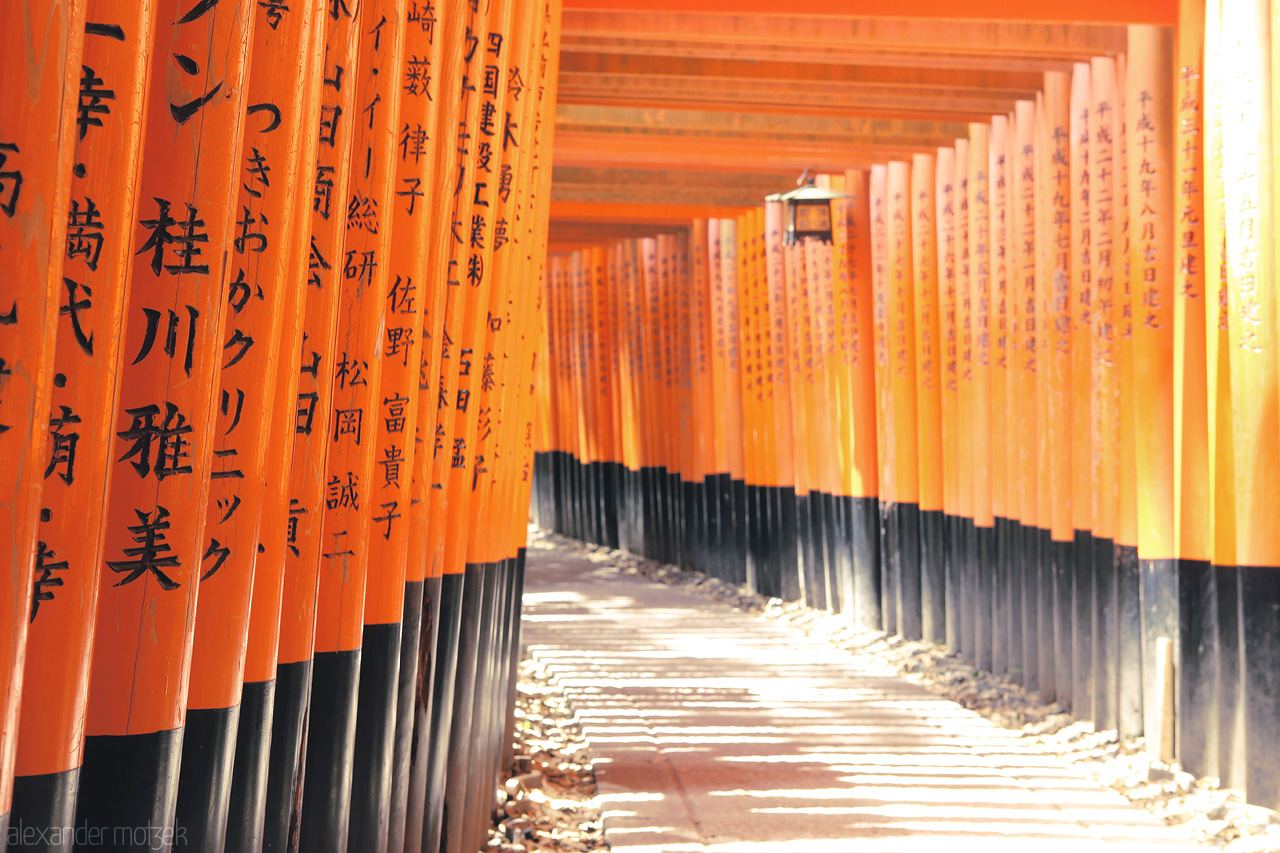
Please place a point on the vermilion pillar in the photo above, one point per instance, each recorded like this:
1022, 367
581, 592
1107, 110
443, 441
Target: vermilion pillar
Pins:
94, 287
263, 291
174, 350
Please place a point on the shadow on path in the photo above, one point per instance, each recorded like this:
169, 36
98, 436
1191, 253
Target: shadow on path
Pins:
718, 731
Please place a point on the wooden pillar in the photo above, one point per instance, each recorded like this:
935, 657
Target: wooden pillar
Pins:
930, 356
1150, 117
949, 346
1255, 371
312, 422
175, 348
1104, 250
781, 572
998, 331
1196, 738
903, 366
1024, 382
1080, 568
409, 414
857, 346
1230, 707
981, 412
1127, 577
964, 540
90, 270
262, 293
350, 511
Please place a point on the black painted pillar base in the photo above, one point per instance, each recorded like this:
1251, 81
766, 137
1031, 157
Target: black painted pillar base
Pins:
1129, 634
443, 690
865, 526
129, 790
737, 568
378, 702
249, 769
454, 822
1027, 555
973, 599
984, 616
331, 737
1083, 628
933, 576
999, 609
1046, 617
804, 552
43, 815
1158, 591
287, 765
693, 528
756, 531
1196, 742
1106, 645
769, 578
1063, 586
842, 547
789, 563
1232, 753
1260, 629
204, 781
889, 567
423, 703
953, 606
908, 571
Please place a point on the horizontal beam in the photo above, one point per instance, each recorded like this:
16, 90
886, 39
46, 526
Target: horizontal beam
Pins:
810, 53
784, 96
624, 150
1094, 11
679, 69
977, 38
563, 212
696, 123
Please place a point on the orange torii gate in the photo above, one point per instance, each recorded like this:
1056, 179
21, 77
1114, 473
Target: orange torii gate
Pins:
1042, 370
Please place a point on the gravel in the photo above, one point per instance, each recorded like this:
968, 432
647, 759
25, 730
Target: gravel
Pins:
549, 801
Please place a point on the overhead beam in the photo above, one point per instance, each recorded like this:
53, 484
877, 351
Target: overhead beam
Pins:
972, 37
784, 97
1095, 11
844, 55
679, 69
571, 118
626, 150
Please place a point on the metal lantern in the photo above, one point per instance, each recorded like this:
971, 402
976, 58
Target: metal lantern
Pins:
808, 210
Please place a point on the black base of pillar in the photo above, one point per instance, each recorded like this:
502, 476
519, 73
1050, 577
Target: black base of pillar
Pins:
1197, 719
1129, 635
1027, 547
249, 770
865, 527
1106, 646
1083, 629
908, 572
129, 791
1260, 629
44, 812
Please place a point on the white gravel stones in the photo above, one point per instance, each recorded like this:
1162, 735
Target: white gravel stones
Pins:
549, 805
1213, 816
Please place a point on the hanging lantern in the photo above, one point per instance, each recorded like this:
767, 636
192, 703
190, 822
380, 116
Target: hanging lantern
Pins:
808, 210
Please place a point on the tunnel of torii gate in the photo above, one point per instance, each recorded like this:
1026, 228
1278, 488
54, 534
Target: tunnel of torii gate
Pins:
301, 302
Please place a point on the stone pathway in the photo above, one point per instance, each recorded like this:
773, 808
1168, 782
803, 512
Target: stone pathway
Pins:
719, 731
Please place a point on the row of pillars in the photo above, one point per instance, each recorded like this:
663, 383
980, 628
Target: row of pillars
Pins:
269, 320
1023, 403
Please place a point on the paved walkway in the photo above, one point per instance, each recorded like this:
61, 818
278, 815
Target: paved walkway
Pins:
716, 731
